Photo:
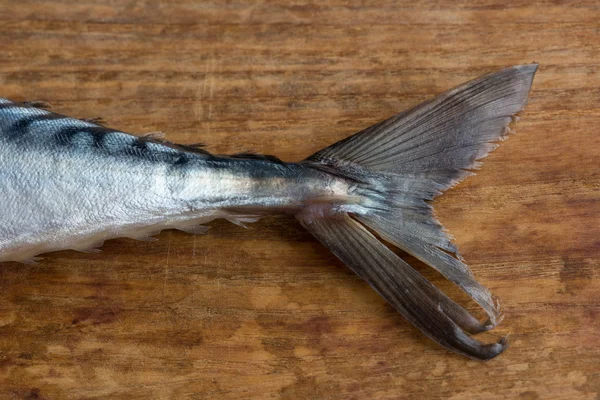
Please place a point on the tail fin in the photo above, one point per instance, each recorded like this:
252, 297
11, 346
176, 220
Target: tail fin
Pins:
402, 163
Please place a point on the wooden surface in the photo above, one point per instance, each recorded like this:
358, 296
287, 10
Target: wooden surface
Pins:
268, 312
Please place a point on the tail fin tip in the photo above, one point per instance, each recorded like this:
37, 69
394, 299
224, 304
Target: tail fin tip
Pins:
408, 160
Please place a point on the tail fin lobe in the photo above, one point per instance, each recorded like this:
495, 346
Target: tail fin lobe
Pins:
413, 296
409, 159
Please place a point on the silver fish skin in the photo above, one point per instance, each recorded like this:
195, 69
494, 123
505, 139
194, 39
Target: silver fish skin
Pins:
72, 184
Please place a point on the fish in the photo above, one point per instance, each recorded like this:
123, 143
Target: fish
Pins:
73, 184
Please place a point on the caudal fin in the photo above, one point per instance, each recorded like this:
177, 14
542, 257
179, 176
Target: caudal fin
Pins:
400, 165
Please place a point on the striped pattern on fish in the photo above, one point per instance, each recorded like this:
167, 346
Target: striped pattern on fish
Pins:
72, 184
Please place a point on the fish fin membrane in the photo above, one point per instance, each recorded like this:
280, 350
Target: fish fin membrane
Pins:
37, 104
404, 162
95, 120
413, 296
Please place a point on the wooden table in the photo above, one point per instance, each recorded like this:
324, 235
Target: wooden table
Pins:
268, 312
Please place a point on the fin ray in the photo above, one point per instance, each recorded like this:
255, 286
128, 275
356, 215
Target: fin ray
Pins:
415, 298
399, 165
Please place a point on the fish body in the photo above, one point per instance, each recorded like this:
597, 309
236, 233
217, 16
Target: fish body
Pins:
72, 184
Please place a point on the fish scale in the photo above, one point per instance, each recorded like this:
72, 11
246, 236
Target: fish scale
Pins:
72, 184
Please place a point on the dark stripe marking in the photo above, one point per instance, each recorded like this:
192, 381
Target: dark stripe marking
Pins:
98, 133
140, 145
181, 160
254, 156
21, 126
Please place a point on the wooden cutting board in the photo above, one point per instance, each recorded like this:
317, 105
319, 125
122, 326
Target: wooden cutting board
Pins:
267, 312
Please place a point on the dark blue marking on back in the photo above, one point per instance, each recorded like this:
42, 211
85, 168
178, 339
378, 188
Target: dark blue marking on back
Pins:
181, 160
66, 135
254, 156
21, 126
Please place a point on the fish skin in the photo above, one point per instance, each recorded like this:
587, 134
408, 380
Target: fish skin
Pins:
72, 184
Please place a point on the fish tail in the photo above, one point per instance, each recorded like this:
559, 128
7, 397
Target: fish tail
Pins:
400, 165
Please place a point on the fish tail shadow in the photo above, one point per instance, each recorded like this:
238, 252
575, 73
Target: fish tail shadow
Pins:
400, 165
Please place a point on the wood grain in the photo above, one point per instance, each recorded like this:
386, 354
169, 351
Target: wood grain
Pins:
268, 312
